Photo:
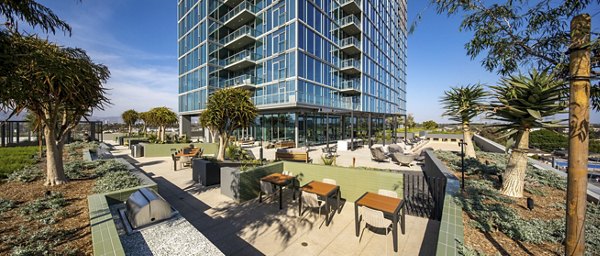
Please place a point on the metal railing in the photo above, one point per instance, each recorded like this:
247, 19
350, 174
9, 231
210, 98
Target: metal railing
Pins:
350, 84
350, 19
350, 41
343, 2
238, 9
240, 80
243, 55
244, 30
350, 63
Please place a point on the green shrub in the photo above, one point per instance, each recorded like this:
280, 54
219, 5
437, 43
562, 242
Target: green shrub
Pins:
115, 181
109, 166
39, 241
47, 210
6, 205
26, 175
328, 160
236, 153
80, 169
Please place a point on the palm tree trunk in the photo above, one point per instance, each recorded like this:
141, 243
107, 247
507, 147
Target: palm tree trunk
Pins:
470, 148
514, 176
55, 173
129, 131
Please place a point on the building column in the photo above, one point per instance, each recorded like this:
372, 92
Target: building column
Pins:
296, 129
384, 127
185, 126
369, 130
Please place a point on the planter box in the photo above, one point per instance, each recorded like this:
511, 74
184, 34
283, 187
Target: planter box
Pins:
230, 180
206, 172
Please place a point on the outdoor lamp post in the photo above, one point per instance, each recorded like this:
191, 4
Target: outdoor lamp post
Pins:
462, 165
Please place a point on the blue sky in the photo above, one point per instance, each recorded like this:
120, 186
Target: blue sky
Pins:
137, 40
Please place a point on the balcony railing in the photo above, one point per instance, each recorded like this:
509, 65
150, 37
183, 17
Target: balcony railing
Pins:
243, 80
353, 84
243, 55
350, 6
349, 20
344, 2
243, 31
244, 6
350, 63
350, 41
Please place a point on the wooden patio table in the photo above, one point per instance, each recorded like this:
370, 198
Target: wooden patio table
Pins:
280, 180
390, 206
321, 189
179, 154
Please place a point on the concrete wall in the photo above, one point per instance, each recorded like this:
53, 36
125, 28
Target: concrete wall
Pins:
488, 145
162, 150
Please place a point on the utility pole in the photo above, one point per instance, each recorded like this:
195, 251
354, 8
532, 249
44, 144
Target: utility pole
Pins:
579, 119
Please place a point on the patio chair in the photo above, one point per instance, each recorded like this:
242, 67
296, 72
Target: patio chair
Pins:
329, 181
376, 219
175, 159
390, 193
395, 148
267, 189
403, 159
312, 201
185, 161
378, 155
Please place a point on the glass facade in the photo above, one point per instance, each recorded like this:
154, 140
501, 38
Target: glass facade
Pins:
298, 55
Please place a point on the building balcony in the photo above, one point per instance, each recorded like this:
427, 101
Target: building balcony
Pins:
350, 24
350, 66
243, 81
240, 15
350, 6
239, 38
350, 87
240, 60
350, 45
232, 3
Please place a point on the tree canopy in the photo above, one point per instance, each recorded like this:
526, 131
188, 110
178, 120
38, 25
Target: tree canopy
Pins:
226, 111
33, 13
519, 35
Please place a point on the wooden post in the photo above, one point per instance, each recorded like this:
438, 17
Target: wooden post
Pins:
579, 119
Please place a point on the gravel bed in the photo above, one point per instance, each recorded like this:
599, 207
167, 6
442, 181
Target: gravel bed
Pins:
171, 237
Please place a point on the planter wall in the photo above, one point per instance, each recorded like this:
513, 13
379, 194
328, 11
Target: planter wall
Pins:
164, 150
353, 182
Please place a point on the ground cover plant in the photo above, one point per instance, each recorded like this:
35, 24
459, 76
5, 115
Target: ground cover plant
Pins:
40, 220
497, 224
16, 158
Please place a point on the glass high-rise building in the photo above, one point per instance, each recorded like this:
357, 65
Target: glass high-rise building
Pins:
319, 70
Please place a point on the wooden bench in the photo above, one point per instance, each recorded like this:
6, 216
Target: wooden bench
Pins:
285, 144
293, 156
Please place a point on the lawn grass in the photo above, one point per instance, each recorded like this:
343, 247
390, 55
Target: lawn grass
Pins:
15, 158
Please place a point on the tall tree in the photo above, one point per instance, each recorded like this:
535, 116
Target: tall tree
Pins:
430, 125
521, 103
162, 117
58, 85
228, 110
519, 35
410, 121
462, 104
130, 117
147, 119
33, 13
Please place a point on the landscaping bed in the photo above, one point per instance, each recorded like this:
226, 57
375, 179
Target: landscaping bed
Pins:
15, 158
496, 224
41, 220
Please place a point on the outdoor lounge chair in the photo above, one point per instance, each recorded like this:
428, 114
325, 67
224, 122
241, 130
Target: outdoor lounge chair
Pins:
378, 155
395, 148
403, 159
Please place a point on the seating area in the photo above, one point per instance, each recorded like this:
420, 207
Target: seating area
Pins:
185, 156
302, 216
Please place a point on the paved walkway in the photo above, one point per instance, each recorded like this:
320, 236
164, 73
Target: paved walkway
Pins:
253, 228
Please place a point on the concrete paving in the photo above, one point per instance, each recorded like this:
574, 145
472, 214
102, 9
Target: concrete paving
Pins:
253, 228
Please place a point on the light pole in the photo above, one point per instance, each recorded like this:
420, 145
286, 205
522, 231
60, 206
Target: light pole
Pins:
462, 165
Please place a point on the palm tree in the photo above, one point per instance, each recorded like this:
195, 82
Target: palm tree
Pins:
462, 104
130, 117
522, 103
